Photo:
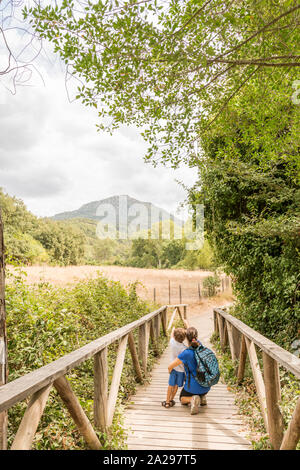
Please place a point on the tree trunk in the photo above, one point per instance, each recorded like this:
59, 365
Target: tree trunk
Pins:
3, 340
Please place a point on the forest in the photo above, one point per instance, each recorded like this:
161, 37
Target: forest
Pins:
35, 240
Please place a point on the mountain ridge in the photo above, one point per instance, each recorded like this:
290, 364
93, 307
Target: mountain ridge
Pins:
120, 210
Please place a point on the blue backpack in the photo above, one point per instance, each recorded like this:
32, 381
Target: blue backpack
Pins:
208, 372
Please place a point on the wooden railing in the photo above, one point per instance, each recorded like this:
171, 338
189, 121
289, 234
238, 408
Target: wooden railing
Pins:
242, 341
37, 384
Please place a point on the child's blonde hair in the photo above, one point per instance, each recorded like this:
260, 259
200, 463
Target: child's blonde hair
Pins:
179, 334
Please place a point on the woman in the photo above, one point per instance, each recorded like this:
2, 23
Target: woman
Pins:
192, 393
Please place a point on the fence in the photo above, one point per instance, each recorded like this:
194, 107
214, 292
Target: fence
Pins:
242, 341
37, 384
188, 292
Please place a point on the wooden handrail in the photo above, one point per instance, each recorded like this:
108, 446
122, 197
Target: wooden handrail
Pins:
286, 359
38, 383
242, 341
19, 389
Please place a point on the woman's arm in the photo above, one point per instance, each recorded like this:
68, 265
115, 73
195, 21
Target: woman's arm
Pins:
173, 364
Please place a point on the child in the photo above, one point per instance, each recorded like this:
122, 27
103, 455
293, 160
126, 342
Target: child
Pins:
177, 376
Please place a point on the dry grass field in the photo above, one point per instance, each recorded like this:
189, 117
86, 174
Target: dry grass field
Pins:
149, 279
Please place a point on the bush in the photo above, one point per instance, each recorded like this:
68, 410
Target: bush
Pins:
46, 322
210, 284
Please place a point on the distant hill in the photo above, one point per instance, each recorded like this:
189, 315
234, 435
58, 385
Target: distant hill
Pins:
119, 211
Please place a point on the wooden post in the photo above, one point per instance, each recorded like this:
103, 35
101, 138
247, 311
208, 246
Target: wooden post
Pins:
292, 434
31, 419
258, 379
172, 318
222, 285
184, 312
164, 321
3, 338
154, 295
199, 291
233, 341
273, 394
242, 360
76, 411
116, 378
216, 329
100, 389
135, 359
153, 337
169, 292
221, 330
180, 296
143, 345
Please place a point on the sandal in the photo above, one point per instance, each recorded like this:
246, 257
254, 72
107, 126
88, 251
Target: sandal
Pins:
166, 404
172, 403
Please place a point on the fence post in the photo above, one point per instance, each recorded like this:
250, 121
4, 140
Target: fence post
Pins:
272, 387
180, 296
100, 389
154, 294
199, 291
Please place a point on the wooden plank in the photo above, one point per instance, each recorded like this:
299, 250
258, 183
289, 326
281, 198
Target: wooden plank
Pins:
292, 434
258, 379
232, 343
19, 389
273, 396
188, 436
31, 419
200, 418
183, 410
215, 427
135, 359
100, 389
156, 324
164, 321
172, 319
83, 424
242, 360
288, 360
135, 446
153, 338
115, 383
178, 444
176, 305
144, 331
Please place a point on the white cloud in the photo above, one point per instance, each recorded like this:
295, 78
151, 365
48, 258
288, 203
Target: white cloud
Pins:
52, 156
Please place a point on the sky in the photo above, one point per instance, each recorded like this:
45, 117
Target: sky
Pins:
52, 156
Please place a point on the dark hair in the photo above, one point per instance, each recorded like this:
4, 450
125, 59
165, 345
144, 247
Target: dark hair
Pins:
179, 334
192, 335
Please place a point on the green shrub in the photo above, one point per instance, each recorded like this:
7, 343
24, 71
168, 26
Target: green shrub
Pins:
46, 322
210, 284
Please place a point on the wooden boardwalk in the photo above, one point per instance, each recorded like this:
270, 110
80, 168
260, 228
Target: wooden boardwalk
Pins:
151, 426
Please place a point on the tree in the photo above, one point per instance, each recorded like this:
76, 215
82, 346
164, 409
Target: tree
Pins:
172, 67
3, 338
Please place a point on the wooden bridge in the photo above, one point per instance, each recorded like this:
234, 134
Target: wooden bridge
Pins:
150, 426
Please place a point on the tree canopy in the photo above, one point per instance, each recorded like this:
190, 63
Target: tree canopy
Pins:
172, 67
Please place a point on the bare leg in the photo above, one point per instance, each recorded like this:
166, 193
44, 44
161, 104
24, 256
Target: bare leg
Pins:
174, 391
186, 400
169, 393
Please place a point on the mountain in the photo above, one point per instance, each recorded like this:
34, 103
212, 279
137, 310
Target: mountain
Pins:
121, 212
